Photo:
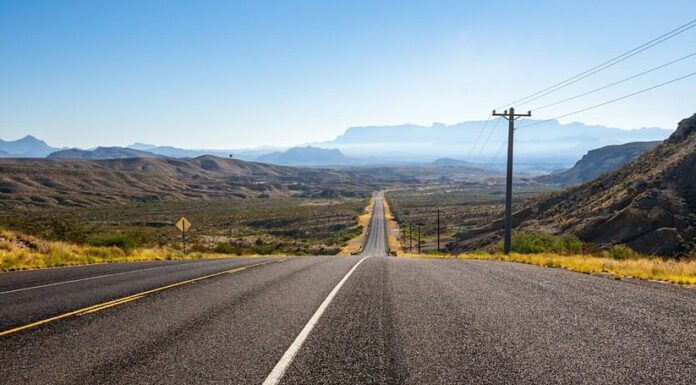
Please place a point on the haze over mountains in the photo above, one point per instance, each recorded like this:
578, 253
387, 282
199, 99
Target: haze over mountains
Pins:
551, 144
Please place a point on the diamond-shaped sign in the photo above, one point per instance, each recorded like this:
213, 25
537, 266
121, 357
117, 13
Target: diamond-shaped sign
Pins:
183, 225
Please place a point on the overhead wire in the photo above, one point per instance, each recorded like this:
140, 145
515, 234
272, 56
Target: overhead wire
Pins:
490, 135
471, 149
612, 100
616, 82
609, 63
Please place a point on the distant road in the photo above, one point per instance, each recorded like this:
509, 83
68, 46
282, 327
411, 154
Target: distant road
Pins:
365, 319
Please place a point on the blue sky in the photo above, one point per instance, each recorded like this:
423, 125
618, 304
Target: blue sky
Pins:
224, 74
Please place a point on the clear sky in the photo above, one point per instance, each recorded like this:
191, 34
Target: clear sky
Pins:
226, 74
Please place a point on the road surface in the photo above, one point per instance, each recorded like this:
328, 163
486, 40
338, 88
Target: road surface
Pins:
365, 319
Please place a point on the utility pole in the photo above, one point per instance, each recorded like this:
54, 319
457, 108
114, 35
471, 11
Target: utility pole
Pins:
419, 240
410, 238
511, 117
438, 230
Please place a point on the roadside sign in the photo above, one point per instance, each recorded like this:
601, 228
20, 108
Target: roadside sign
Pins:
183, 225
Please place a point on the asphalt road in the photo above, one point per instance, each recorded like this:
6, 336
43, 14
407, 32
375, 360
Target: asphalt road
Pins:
365, 319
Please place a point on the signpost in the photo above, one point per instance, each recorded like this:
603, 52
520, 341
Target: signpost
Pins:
183, 225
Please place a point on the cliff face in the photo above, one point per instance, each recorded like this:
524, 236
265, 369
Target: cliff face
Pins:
598, 162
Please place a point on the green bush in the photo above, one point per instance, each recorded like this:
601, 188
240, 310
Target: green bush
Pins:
227, 248
531, 242
621, 252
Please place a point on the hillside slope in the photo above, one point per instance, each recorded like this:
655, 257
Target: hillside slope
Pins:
102, 153
42, 182
597, 162
649, 204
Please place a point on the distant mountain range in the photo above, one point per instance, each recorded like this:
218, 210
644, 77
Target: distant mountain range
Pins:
175, 152
27, 147
306, 156
102, 153
597, 162
550, 143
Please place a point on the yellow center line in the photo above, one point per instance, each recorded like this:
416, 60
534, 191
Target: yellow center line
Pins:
129, 298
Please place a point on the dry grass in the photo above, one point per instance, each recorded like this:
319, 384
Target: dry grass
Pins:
680, 272
355, 244
392, 230
21, 252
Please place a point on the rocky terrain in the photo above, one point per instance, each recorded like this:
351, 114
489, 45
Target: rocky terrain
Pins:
648, 204
597, 162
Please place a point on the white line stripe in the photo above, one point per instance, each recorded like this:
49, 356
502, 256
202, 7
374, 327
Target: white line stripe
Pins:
279, 370
99, 276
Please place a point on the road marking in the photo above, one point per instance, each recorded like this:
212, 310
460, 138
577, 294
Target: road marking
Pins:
96, 277
129, 298
279, 370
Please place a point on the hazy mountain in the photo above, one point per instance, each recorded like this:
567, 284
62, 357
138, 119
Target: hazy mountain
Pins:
648, 204
306, 156
175, 152
598, 162
102, 153
551, 143
27, 147
449, 162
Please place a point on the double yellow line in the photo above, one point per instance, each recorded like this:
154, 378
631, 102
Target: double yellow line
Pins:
130, 298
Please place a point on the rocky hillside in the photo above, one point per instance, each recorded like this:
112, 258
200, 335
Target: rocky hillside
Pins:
34, 183
649, 204
597, 162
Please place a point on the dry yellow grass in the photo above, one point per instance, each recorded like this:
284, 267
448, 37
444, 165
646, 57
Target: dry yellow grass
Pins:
680, 272
392, 230
21, 252
355, 244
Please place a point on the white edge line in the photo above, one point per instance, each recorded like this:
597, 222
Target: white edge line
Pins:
279, 370
96, 277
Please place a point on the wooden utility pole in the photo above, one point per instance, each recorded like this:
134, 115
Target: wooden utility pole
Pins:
511, 117
438, 230
419, 240
410, 238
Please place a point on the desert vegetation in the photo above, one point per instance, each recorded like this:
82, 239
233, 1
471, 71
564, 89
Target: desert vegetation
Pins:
288, 225
462, 207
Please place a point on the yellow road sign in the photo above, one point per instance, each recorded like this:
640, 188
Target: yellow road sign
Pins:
183, 225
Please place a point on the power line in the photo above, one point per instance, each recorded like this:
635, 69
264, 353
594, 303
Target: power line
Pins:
490, 134
615, 83
471, 149
611, 62
613, 100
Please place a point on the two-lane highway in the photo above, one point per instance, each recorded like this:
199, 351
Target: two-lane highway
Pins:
365, 319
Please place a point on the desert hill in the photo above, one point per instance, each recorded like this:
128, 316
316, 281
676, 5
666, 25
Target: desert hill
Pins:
597, 162
70, 182
102, 153
649, 204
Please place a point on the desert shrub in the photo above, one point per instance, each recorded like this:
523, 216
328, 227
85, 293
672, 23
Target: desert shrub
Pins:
126, 241
532, 242
60, 230
121, 240
227, 248
621, 252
